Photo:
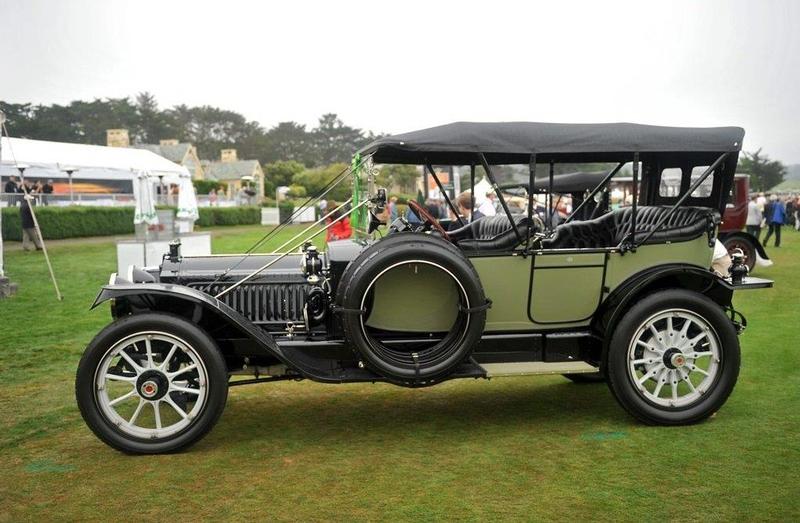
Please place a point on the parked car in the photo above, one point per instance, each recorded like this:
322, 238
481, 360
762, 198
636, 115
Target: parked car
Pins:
627, 293
731, 230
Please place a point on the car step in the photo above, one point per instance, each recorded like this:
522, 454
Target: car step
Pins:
524, 368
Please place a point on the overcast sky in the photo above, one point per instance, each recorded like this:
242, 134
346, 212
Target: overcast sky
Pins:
399, 66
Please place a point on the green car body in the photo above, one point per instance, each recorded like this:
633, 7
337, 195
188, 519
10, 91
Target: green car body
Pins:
626, 296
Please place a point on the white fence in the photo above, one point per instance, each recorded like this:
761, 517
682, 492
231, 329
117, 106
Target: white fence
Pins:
122, 199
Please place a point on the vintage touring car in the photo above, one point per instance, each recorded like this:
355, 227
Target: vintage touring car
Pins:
626, 293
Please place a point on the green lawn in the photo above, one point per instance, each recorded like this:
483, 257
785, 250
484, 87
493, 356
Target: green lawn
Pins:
515, 448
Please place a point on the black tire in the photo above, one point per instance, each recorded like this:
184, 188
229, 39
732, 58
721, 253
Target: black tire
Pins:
622, 383
432, 363
747, 247
199, 424
586, 377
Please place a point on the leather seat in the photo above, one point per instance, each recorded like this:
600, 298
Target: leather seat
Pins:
489, 233
686, 223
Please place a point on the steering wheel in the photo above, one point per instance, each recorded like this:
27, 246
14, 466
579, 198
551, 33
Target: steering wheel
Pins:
428, 218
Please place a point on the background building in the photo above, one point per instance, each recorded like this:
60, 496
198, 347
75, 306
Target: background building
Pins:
234, 172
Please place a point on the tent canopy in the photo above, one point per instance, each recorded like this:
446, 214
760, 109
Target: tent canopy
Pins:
48, 159
513, 142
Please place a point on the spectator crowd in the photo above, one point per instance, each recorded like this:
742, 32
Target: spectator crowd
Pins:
772, 212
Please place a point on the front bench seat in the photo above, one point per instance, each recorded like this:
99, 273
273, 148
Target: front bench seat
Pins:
489, 233
686, 223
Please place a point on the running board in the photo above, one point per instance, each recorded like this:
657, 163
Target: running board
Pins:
527, 368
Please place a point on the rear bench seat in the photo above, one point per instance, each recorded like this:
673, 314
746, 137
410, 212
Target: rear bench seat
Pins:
686, 223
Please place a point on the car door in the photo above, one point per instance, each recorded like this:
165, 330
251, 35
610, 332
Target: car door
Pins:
566, 286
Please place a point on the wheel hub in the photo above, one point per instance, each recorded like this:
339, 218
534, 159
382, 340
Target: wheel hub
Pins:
674, 358
152, 385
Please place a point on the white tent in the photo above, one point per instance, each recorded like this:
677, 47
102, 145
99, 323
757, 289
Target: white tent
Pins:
47, 159
95, 162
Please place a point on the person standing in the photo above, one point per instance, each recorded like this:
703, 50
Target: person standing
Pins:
761, 201
337, 229
11, 188
392, 208
30, 236
766, 212
776, 218
754, 217
47, 190
37, 189
797, 213
212, 197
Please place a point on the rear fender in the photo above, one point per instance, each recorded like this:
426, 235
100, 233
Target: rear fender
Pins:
667, 276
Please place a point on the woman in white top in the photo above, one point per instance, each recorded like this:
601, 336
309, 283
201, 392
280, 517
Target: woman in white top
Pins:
754, 217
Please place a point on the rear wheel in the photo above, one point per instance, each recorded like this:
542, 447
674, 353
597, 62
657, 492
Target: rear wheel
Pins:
151, 383
673, 359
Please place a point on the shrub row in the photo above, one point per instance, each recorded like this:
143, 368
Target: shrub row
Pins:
246, 215
71, 222
80, 221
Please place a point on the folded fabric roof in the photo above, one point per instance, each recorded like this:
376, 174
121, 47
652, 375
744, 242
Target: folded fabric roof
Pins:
514, 142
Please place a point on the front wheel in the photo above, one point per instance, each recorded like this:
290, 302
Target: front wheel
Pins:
673, 358
151, 383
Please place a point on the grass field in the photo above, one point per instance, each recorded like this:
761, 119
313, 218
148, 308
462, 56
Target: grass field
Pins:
515, 448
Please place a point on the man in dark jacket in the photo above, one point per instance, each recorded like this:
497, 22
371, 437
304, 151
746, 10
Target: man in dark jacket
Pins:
11, 188
775, 213
30, 236
47, 190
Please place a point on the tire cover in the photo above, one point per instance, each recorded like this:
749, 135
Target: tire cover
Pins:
426, 366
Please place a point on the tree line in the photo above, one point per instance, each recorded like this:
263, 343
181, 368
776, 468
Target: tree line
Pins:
209, 129
291, 153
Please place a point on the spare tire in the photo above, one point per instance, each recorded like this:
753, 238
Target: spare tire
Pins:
404, 364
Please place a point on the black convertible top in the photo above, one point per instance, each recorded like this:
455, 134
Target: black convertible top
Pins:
571, 182
514, 142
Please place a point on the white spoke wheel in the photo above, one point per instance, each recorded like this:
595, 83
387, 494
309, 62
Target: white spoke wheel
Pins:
673, 358
168, 379
151, 383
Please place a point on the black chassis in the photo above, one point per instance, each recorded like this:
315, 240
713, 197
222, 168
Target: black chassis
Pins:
322, 354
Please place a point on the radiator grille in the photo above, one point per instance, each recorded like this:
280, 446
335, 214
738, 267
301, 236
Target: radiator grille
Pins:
263, 302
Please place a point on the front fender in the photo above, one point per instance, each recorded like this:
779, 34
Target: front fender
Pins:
206, 301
